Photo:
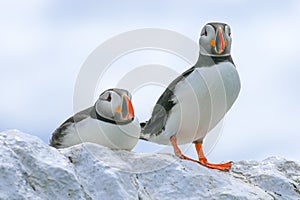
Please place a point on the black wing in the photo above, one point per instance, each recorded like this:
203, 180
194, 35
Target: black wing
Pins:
156, 124
59, 133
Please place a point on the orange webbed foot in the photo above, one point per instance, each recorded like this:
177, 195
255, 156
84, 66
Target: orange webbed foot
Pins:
221, 167
178, 152
204, 162
202, 159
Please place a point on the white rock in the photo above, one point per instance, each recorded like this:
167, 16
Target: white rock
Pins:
30, 169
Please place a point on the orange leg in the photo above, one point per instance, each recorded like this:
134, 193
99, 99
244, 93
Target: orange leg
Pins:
204, 162
178, 152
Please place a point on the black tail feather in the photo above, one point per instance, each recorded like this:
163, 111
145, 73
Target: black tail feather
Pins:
143, 124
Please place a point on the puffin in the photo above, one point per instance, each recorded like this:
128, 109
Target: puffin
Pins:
197, 100
109, 122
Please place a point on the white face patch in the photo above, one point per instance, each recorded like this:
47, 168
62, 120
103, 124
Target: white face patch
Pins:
107, 104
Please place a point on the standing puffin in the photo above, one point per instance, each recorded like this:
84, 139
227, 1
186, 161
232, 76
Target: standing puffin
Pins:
110, 122
196, 101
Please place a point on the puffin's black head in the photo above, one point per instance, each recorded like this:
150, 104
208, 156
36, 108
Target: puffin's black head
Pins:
215, 39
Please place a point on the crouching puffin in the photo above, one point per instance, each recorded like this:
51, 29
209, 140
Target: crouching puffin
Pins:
110, 122
196, 101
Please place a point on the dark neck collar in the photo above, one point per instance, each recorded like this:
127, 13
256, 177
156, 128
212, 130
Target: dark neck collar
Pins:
212, 60
95, 115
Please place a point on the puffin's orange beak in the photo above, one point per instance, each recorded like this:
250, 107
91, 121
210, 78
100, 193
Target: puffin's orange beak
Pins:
126, 110
219, 43
130, 109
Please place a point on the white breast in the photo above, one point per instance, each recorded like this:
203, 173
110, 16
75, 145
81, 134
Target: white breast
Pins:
203, 99
103, 133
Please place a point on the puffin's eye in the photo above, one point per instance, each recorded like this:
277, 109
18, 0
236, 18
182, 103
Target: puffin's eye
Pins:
108, 98
204, 32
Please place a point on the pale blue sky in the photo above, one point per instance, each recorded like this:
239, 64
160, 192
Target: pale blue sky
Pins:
43, 44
